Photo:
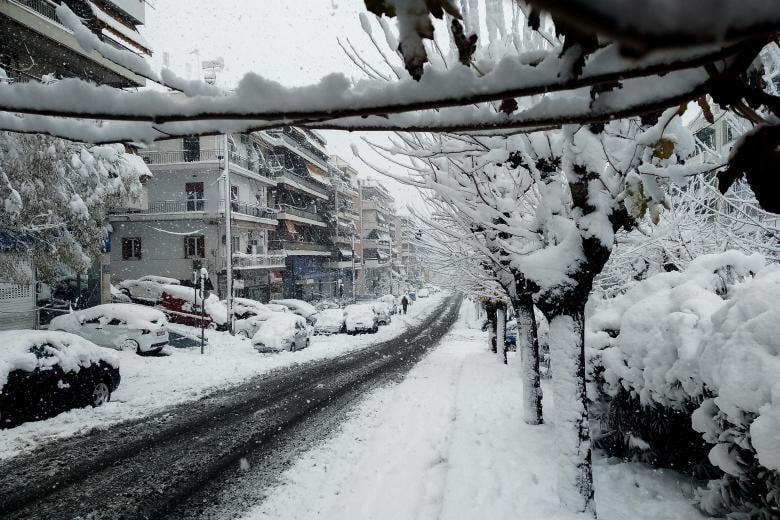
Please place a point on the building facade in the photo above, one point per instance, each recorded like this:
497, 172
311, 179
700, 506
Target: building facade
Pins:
346, 261
377, 213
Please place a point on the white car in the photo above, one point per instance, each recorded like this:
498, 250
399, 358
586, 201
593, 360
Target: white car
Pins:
383, 313
423, 293
360, 317
301, 308
146, 289
122, 326
277, 308
250, 315
330, 321
281, 332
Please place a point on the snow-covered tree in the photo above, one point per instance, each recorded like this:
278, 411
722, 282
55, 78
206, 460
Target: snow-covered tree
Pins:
55, 197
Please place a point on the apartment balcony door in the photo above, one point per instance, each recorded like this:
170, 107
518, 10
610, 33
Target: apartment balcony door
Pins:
191, 148
194, 193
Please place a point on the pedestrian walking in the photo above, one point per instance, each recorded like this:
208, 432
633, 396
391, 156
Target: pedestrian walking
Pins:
404, 303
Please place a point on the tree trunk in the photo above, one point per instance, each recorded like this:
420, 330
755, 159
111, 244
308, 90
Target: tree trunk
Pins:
572, 431
490, 310
501, 333
528, 350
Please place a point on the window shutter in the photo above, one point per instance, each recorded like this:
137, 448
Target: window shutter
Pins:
125, 249
202, 246
186, 255
138, 248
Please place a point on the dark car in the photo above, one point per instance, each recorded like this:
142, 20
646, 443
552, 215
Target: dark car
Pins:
43, 373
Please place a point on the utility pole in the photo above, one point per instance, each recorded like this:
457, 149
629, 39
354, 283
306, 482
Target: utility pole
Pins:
228, 237
353, 268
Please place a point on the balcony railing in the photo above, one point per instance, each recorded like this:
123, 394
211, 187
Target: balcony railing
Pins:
292, 210
45, 8
252, 210
303, 181
177, 206
249, 261
294, 245
202, 155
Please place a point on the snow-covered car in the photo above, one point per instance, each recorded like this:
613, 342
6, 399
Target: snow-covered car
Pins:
282, 332
146, 289
330, 321
277, 308
184, 305
245, 308
118, 296
303, 309
384, 314
250, 314
321, 306
390, 301
122, 326
360, 317
423, 293
43, 373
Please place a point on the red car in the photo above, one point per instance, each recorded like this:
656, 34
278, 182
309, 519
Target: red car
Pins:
183, 305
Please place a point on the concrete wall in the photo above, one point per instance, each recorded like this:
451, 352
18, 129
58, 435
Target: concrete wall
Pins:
162, 252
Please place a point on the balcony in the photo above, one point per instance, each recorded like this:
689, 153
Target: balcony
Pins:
243, 261
45, 8
242, 209
301, 183
160, 157
286, 211
299, 248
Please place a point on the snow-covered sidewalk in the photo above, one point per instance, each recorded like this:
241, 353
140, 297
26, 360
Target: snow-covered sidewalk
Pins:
449, 442
152, 383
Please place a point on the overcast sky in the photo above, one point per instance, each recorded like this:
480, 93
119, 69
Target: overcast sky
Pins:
291, 41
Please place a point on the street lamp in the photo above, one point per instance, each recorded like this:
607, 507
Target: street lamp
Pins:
199, 277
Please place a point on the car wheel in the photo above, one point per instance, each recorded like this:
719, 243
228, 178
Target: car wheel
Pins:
100, 394
130, 345
242, 334
375, 329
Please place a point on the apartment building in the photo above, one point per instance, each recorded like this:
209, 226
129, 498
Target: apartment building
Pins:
377, 210
182, 226
35, 45
299, 163
346, 236
413, 268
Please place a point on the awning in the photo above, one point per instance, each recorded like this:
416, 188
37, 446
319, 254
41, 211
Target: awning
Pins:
318, 174
291, 227
346, 253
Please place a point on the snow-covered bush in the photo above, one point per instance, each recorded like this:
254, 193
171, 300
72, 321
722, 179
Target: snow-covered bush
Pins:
694, 355
741, 361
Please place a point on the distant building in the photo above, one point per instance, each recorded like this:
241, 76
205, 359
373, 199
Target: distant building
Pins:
300, 164
377, 212
346, 235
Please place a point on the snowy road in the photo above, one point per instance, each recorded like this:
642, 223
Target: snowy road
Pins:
200, 452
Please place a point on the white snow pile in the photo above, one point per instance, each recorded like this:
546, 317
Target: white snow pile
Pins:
649, 339
68, 351
129, 314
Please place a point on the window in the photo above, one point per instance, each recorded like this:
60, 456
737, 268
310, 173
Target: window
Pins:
195, 246
729, 134
707, 136
236, 244
234, 193
131, 248
194, 194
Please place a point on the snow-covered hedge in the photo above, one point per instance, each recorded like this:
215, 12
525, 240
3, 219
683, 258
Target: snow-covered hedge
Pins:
702, 345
